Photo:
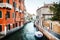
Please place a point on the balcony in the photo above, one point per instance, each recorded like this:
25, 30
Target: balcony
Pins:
20, 11
5, 5
17, 19
17, 9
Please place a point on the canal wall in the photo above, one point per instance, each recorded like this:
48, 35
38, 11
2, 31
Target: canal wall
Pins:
46, 33
10, 32
52, 25
13, 31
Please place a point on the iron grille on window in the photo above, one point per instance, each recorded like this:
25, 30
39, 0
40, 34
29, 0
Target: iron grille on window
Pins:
8, 15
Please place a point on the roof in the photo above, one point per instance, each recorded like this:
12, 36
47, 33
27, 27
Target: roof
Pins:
45, 6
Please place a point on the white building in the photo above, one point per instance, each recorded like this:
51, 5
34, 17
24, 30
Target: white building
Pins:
44, 13
27, 16
33, 17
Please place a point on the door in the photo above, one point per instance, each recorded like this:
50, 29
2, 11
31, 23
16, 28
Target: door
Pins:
0, 28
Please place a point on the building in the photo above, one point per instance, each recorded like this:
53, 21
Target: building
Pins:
11, 15
28, 16
45, 25
22, 7
44, 13
33, 17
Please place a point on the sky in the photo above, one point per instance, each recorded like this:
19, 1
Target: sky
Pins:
33, 5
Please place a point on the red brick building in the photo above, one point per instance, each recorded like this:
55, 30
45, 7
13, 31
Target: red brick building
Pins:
11, 14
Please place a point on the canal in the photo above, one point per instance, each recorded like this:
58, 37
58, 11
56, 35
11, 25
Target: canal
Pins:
26, 33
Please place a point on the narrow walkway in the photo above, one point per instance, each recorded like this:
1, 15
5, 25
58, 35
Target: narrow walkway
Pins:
53, 33
26, 33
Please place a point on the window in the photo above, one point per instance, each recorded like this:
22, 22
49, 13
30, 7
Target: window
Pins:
8, 26
1, 1
14, 5
19, 7
0, 14
13, 15
19, 0
16, 24
7, 1
0, 28
13, 25
8, 15
37, 17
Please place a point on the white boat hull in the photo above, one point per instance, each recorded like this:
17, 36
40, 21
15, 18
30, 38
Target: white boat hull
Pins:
38, 34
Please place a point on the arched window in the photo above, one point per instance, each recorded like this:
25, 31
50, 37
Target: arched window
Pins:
0, 14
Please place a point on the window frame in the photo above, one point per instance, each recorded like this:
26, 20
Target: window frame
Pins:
1, 1
14, 5
8, 26
7, 16
13, 15
1, 14
1, 27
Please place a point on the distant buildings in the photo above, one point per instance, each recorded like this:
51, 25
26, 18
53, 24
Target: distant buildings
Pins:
33, 17
26, 16
29, 17
11, 14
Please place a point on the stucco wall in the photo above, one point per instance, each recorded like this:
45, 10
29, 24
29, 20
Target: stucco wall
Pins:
55, 26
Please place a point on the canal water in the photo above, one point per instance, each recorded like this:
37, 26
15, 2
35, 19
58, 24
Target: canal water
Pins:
26, 33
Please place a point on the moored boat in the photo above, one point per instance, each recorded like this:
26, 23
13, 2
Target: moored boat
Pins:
38, 34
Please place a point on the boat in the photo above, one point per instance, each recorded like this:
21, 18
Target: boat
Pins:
38, 34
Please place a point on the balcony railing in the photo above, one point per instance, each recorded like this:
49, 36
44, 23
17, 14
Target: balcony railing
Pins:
6, 5
17, 9
20, 11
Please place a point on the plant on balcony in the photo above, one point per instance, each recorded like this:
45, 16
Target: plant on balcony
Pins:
56, 11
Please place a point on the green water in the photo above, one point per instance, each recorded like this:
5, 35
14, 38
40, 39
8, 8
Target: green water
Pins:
26, 33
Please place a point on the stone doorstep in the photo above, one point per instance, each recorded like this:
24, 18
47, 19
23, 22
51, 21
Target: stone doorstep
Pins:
48, 35
1, 37
1, 32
